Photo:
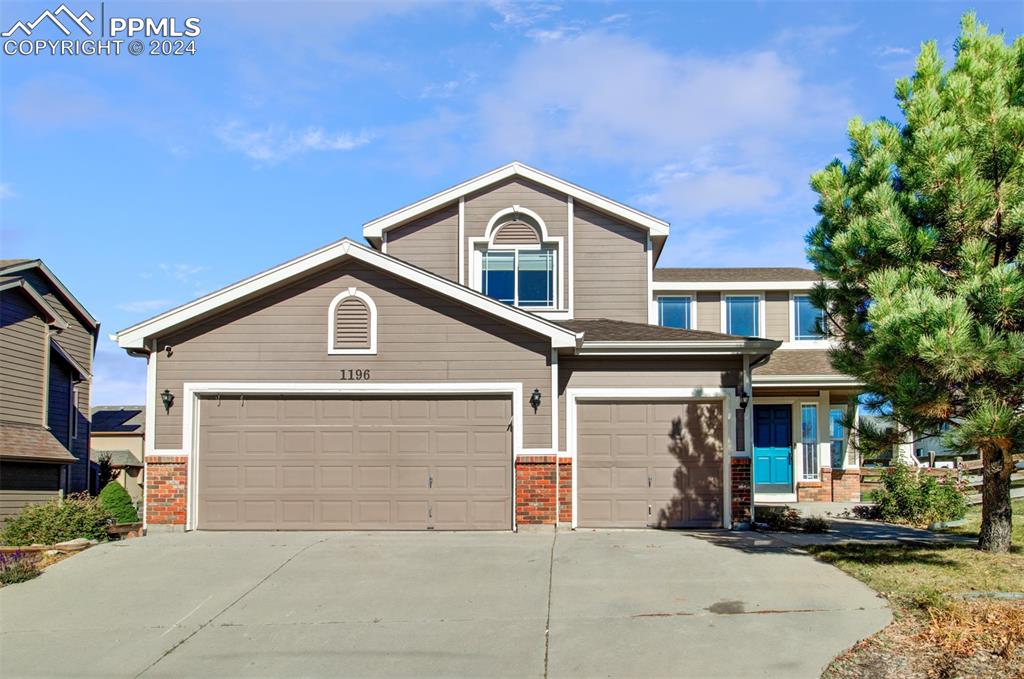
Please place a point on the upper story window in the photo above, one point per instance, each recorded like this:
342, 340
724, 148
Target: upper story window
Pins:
674, 312
808, 320
517, 263
352, 324
743, 315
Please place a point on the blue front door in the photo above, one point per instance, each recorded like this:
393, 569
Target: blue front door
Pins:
773, 449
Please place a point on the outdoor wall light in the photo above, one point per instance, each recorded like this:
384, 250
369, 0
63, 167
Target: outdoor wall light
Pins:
168, 399
744, 399
535, 399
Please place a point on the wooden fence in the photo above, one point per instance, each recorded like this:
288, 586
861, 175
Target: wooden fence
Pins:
966, 471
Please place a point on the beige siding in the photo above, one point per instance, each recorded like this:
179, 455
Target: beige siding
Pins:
431, 242
776, 314
709, 311
643, 372
22, 359
610, 263
421, 337
133, 443
13, 501
550, 205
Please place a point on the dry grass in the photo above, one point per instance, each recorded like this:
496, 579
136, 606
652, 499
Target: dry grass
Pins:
937, 632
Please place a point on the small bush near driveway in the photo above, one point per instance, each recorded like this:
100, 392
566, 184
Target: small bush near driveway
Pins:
17, 567
116, 500
918, 500
76, 516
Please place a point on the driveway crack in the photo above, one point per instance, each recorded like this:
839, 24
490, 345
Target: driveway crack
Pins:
227, 608
547, 622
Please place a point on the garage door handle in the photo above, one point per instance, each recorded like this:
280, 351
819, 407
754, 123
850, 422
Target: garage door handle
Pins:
650, 481
430, 480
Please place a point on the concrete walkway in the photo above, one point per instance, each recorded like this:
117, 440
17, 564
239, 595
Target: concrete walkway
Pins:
575, 604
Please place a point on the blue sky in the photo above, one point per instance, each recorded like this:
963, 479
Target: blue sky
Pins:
147, 181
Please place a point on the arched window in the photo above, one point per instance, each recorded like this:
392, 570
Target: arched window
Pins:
352, 324
517, 262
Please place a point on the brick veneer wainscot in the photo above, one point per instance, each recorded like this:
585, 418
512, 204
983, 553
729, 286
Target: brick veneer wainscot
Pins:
535, 489
835, 485
741, 489
166, 490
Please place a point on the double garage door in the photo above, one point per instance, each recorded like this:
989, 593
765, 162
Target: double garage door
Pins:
322, 462
650, 464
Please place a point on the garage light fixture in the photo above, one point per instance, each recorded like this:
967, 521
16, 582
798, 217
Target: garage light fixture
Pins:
168, 399
535, 399
744, 399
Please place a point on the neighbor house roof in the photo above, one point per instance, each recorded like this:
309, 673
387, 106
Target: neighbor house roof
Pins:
800, 365
608, 335
735, 278
118, 420
9, 267
118, 458
374, 229
135, 337
31, 443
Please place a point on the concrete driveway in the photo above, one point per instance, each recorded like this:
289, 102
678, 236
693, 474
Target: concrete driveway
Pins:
575, 604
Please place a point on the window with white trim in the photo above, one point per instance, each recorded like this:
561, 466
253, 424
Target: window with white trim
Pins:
808, 320
837, 434
674, 311
352, 324
809, 440
743, 315
517, 264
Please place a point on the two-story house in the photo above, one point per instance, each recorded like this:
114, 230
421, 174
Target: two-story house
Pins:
503, 352
47, 343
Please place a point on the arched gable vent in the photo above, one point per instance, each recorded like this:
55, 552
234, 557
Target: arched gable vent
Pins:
352, 324
516, 233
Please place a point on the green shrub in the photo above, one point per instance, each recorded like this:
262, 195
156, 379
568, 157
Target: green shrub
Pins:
906, 497
76, 516
778, 518
116, 500
816, 524
17, 567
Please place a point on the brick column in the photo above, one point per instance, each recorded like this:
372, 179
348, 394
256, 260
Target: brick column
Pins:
846, 485
535, 489
742, 488
166, 490
565, 490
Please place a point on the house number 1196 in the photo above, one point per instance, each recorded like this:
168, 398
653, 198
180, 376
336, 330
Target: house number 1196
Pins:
354, 374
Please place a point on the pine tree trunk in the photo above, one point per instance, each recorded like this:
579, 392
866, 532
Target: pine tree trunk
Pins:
996, 512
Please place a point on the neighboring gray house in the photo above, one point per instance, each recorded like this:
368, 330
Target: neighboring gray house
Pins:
503, 352
119, 433
47, 342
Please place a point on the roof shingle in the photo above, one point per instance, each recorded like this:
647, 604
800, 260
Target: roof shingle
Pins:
798, 362
607, 330
734, 275
31, 442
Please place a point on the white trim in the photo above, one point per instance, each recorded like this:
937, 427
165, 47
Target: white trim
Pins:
149, 436
734, 286
773, 498
655, 316
332, 308
554, 401
479, 245
135, 336
384, 244
570, 257
462, 240
729, 405
802, 476
55, 282
809, 344
375, 228
837, 381
748, 415
650, 275
794, 435
193, 390
494, 223
634, 348
760, 310
793, 342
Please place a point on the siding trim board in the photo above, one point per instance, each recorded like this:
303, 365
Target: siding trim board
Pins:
193, 390
730, 402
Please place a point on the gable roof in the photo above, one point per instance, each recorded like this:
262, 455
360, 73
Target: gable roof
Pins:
797, 366
18, 283
374, 229
12, 267
135, 336
727, 274
32, 442
118, 420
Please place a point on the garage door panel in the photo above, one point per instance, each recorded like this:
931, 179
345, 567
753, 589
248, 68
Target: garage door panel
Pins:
649, 463
354, 463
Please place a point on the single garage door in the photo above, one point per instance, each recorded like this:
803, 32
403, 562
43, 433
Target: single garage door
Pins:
649, 464
302, 463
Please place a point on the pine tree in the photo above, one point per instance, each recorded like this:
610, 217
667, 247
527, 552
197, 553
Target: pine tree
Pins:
919, 242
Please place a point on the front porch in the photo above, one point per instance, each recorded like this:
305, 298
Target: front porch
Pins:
801, 451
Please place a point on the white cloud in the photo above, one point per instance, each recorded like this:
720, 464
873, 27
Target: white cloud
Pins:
615, 18
118, 378
144, 305
517, 14
183, 273
893, 51
448, 88
275, 143
815, 38
560, 32
694, 193
6, 191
